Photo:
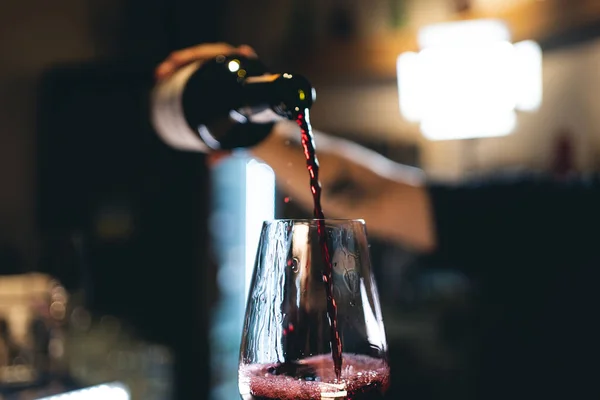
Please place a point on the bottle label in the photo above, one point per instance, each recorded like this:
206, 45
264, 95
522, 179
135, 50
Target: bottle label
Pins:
167, 112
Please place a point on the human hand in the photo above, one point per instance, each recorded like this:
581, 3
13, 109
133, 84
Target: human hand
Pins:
202, 52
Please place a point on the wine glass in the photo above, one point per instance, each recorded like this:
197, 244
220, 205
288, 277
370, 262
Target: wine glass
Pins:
286, 350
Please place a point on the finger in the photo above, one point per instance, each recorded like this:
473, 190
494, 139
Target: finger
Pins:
247, 51
179, 58
201, 52
163, 70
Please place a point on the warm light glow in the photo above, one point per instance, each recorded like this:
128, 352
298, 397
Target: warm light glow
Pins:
463, 33
468, 80
447, 126
410, 96
528, 81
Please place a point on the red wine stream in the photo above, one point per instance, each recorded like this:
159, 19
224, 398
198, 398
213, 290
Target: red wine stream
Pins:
312, 164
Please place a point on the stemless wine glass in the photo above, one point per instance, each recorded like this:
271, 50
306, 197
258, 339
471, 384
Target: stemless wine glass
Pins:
286, 350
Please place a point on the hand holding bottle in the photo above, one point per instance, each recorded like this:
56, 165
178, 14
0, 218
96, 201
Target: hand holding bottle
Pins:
202, 52
213, 98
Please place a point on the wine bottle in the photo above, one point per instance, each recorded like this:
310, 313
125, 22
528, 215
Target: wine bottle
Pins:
225, 103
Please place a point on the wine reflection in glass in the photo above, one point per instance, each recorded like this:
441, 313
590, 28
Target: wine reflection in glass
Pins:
286, 350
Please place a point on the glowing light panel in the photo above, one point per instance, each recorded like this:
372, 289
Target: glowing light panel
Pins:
468, 80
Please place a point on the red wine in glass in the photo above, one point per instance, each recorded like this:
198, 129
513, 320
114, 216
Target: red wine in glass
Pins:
365, 378
286, 340
292, 318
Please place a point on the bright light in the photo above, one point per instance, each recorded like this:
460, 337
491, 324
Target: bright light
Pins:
373, 325
233, 65
112, 391
476, 126
463, 33
260, 206
411, 97
468, 80
528, 80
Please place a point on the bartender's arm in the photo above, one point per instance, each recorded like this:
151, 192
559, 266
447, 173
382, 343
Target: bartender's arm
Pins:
357, 183
458, 222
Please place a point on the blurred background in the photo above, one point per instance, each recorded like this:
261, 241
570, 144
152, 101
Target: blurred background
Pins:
134, 257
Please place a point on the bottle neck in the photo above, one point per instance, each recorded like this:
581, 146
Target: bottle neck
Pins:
285, 93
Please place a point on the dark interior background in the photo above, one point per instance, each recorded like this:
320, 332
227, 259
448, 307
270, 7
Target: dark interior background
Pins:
75, 145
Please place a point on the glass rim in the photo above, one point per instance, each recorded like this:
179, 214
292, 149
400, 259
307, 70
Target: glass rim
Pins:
313, 220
